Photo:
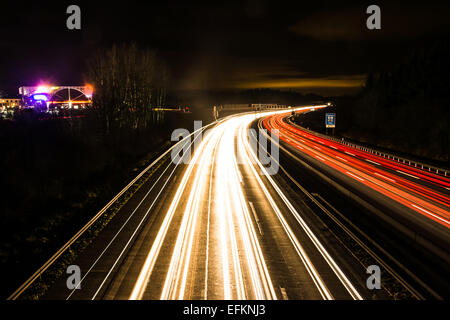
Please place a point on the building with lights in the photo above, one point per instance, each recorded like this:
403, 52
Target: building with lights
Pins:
9, 103
45, 97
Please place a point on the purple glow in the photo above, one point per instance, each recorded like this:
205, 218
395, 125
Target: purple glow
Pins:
43, 89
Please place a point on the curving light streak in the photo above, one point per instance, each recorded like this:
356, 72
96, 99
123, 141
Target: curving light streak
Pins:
358, 155
311, 270
262, 287
176, 278
325, 293
150, 261
418, 198
243, 270
231, 215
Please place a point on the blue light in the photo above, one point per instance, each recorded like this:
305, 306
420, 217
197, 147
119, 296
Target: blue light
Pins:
40, 97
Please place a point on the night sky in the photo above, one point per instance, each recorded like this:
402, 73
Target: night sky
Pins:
310, 46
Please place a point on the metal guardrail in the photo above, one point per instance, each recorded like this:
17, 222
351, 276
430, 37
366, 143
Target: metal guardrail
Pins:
67, 245
412, 163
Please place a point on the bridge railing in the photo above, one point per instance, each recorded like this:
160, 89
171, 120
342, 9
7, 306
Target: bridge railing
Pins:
389, 156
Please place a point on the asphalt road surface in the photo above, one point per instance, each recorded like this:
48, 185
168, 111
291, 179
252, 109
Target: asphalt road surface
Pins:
227, 221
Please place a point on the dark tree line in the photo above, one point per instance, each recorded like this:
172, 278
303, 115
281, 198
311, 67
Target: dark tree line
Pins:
408, 108
404, 108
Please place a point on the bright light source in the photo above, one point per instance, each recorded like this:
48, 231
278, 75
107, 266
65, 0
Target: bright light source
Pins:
40, 97
89, 90
43, 89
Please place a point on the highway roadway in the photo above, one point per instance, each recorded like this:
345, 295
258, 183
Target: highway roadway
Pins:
228, 225
399, 212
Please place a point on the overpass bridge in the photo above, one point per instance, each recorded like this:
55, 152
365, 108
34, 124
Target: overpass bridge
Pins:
230, 108
250, 106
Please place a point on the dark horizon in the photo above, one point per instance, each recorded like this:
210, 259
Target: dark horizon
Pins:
256, 44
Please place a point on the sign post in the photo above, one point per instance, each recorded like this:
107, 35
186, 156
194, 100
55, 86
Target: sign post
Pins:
330, 121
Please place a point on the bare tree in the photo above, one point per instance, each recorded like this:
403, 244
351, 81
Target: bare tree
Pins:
129, 83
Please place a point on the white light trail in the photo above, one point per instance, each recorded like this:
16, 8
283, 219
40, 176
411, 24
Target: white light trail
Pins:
243, 270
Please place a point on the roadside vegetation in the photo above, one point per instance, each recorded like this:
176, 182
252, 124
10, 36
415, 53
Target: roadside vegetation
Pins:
58, 172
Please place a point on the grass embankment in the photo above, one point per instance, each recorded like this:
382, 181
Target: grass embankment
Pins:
56, 174
57, 269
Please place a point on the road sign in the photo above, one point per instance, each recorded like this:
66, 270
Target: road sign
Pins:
330, 120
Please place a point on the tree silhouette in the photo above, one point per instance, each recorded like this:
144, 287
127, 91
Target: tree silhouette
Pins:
129, 82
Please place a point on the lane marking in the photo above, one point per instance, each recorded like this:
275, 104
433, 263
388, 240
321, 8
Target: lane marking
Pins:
320, 158
150, 261
205, 290
355, 176
356, 238
329, 180
380, 175
135, 231
350, 153
408, 174
341, 159
431, 214
256, 217
310, 268
372, 162
44, 267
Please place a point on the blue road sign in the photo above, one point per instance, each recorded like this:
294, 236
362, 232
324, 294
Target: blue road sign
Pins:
330, 120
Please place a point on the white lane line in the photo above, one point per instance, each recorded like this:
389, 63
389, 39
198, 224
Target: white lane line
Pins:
341, 158
447, 188
384, 177
320, 158
338, 272
256, 217
259, 274
372, 162
350, 154
355, 176
220, 211
408, 174
431, 214
334, 148
208, 225
318, 281
150, 261
122, 227
317, 148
